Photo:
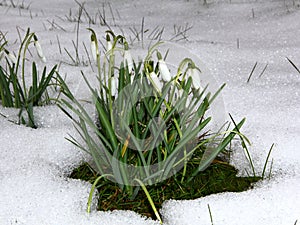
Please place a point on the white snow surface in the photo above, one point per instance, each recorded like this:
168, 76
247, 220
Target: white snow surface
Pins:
35, 163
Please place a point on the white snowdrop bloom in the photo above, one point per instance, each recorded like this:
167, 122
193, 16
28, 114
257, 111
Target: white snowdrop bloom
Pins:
163, 69
39, 49
109, 46
128, 58
11, 57
94, 47
195, 74
93, 50
155, 81
113, 86
108, 43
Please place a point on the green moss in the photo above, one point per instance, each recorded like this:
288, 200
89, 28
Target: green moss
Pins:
218, 177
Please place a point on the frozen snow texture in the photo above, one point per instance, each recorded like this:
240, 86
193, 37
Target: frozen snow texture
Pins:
230, 39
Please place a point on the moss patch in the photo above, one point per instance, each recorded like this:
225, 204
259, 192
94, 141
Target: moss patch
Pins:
218, 177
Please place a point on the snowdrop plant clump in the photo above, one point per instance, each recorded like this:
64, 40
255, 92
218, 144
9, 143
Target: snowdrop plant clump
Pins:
15, 90
150, 123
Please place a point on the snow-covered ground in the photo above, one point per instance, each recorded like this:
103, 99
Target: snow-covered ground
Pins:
229, 37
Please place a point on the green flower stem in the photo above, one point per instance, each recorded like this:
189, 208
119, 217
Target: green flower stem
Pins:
110, 74
266, 162
17, 90
94, 38
150, 200
183, 63
89, 203
27, 41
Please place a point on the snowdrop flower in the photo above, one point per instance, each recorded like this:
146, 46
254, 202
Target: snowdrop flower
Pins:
163, 69
155, 81
114, 85
128, 58
11, 57
195, 74
39, 49
108, 43
94, 47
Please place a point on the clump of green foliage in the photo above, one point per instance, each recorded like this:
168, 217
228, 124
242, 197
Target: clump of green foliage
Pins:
15, 90
150, 130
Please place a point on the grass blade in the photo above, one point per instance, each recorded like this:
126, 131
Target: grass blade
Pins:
296, 68
89, 203
266, 162
150, 200
251, 73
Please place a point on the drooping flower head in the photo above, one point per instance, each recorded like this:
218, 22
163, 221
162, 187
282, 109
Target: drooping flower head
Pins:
153, 78
108, 43
163, 69
94, 47
195, 73
11, 57
114, 84
128, 61
39, 49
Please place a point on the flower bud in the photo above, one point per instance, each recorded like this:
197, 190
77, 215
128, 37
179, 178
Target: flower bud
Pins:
94, 47
114, 85
11, 57
195, 74
108, 43
128, 61
163, 69
155, 81
39, 49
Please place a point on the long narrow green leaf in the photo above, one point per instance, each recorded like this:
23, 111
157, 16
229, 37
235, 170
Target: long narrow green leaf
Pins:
244, 145
106, 124
19, 98
266, 162
217, 93
29, 109
81, 113
34, 83
170, 162
291, 62
93, 190
213, 152
150, 200
6, 96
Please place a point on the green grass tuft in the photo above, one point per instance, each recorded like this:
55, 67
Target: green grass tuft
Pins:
218, 177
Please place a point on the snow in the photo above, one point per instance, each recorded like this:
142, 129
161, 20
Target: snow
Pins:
35, 163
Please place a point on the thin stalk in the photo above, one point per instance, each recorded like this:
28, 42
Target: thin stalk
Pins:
244, 146
263, 71
266, 162
110, 74
296, 68
210, 215
150, 200
251, 73
89, 203
27, 42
